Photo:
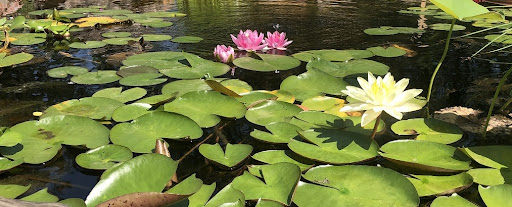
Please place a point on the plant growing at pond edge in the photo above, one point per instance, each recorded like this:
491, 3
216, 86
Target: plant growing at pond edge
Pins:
381, 94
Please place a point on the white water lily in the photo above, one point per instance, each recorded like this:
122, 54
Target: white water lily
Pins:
381, 94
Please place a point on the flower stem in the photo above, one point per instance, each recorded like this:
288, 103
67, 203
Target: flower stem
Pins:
502, 82
377, 121
439, 66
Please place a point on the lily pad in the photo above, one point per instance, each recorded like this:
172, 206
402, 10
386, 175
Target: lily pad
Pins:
387, 30
187, 39
277, 156
267, 62
185, 86
158, 60
97, 77
138, 138
120, 40
144, 79
280, 132
234, 154
6, 164
63, 72
313, 83
204, 106
130, 112
387, 52
460, 9
41, 196
112, 12
103, 157
125, 96
433, 156
135, 70
342, 69
335, 146
91, 107
446, 27
12, 191
164, 14
158, 100
491, 156
279, 183
144, 173
427, 185
199, 68
199, 198
155, 37
333, 55
27, 38
228, 196
158, 24
491, 176
41, 140
271, 111
432, 130
93, 21
327, 104
264, 203
87, 44
366, 186
73, 202
497, 195
116, 34
452, 201
14, 59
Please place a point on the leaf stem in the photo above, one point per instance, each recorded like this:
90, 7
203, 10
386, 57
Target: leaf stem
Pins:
502, 82
377, 122
439, 66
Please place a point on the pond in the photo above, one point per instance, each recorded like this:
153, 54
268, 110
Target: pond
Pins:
312, 25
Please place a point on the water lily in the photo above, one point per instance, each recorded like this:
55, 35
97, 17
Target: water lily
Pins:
277, 40
224, 54
381, 94
249, 40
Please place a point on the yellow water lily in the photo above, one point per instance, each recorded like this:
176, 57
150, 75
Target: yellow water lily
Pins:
381, 94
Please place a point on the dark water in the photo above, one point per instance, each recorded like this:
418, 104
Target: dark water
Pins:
320, 24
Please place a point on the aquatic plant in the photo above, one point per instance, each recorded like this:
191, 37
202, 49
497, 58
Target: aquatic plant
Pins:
224, 54
277, 40
249, 40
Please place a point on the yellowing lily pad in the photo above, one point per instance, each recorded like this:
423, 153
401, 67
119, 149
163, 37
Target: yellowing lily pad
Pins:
92, 21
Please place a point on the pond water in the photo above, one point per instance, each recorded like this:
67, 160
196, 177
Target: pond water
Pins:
311, 24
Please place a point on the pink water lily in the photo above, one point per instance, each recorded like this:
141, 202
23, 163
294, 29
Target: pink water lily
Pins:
277, 40
224, 54
249, 40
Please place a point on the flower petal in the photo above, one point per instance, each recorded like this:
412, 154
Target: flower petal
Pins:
369, 116
408, 107
394, 113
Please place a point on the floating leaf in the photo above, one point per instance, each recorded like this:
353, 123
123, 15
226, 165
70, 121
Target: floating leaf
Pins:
267, 62
313, 83
135, 70
14, 59
228, 196
130, 112
27, 38
158, 60
41, 196
91, 107
387, 52
325, 103
112, 12
120, 40
12, 191
6, 164
103, 157
144, 79
366, 186
73, 202
158, 100
492, 156
41, 140
187, 39
199, 198
387, 30
234, 154
271, 111
92, 21
333, 55
446, 27
63, 72
87, 44
125, 96
428, 185
279, 183
204, 106
199, 68
432, 130
497, 195
158, 24
433, 156
460, 9
164, 14
155, 37
342, 69
216, 86
277, 156
138, 138
97, 77
264, 203
452, 201
116, 34
491, 176
281, 132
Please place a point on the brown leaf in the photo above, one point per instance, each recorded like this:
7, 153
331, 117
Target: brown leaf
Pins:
146, 199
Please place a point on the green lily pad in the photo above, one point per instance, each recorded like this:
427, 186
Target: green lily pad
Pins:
491, 156
91, 107
135, 135
427, 185
188, 186
491, 176
387, 52
264, 203
446, 27
277, 156
387, 30
333, 55
112, 12
158, 24
280, 132
505, 39
335, 146
327, 104
14, 59
313, 83
63, 72
342, 69
315, 119
267, 62
187, 39
120, 40
12, 191
6, 164
199, 198
204, 106
251, 97
497, 195
271, 111
228, 196
460, 9
41, 12
185, 86
233, 156
87, 44
155, 37
144, 173
143, 79
158, 60
199, 68
432, 130
157, 99
41, 196
366, 186
97, 77
27, 38
103, 157
452, 201
116, 34
125, 96
164, 14
433, 156
279, 183
41, 140
147, 20
135, 70
130, 112
73, 202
